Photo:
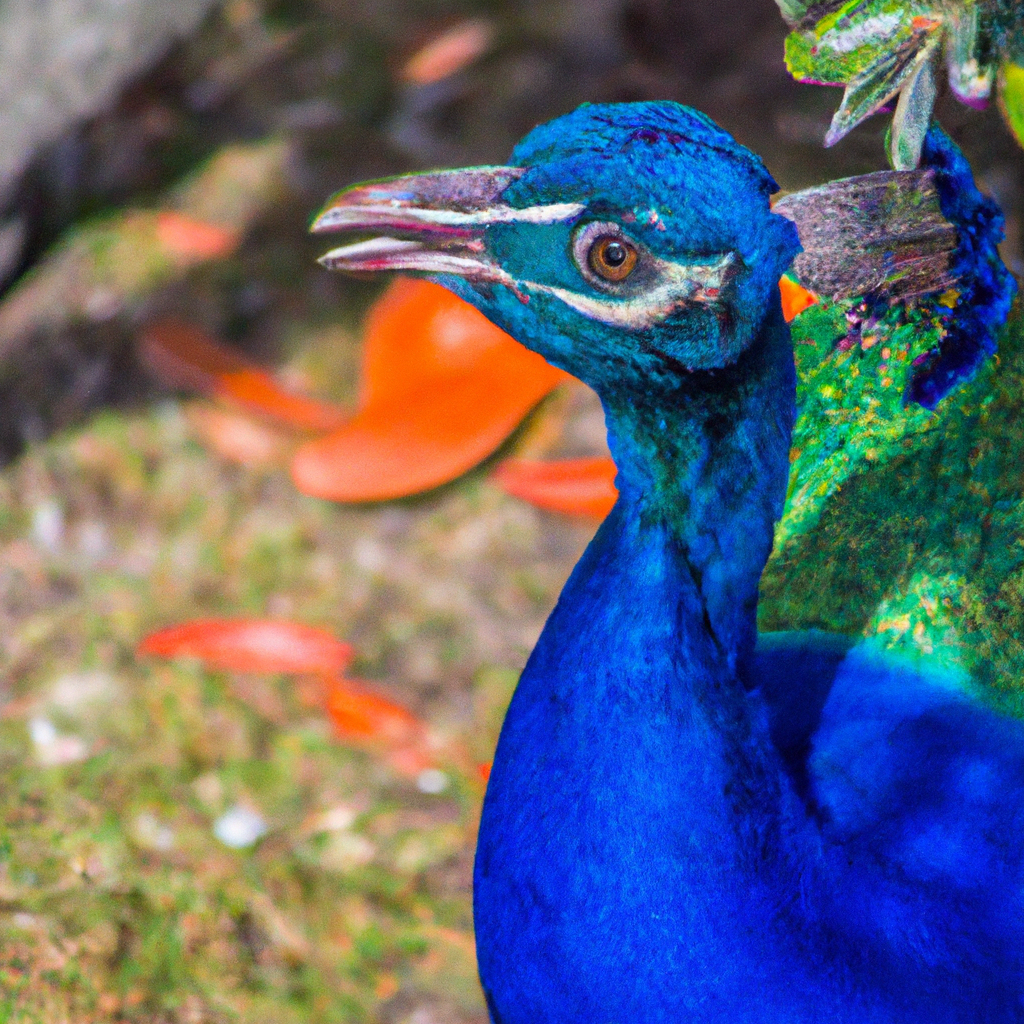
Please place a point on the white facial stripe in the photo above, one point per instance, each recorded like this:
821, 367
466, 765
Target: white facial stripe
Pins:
387, 213
678, 284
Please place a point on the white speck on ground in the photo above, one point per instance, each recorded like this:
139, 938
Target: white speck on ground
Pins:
431, 780
239, 827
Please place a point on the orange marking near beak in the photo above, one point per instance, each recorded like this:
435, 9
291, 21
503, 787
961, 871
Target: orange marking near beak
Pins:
795, 298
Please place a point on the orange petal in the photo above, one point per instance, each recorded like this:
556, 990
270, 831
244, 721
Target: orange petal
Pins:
360, 714
239, 438
413, 443
186, 238
442, 387
484, 770
185, 356
251, 645
576, 487
418, 331
449, 52
795, 298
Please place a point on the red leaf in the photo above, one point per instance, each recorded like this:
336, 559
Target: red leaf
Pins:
795, 298
442, 388
185, 356
448, 53
191, 240
575, 487
251, 645
359, 713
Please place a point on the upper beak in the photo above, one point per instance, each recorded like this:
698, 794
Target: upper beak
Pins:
433, 223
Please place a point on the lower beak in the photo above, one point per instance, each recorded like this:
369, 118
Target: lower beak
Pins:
432, 223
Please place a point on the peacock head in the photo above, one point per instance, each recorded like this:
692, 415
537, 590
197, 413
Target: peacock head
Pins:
630, 244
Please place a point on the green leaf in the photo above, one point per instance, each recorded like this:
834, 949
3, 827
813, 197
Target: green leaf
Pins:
804, 13
913, 115
970, 75
850, 41
1011, 98
882, 79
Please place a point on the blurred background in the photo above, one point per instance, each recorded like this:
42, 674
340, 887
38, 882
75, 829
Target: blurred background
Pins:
182, 844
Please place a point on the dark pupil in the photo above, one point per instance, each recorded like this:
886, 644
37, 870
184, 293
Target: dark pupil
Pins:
614, 254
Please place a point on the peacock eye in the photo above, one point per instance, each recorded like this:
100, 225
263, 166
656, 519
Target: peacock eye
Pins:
604, 254
612, 258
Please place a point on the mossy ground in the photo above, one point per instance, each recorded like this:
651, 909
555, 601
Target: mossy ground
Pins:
117, 901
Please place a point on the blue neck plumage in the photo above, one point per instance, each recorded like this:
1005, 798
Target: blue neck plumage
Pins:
637, 675
705, 466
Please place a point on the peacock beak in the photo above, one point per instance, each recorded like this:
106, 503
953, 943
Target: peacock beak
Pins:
431, 223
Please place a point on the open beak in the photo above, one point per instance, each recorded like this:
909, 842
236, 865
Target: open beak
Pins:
432, 223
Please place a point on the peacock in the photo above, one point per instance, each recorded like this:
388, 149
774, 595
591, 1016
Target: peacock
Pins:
684, 821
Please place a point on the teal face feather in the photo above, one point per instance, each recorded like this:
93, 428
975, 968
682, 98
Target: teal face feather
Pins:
630, 244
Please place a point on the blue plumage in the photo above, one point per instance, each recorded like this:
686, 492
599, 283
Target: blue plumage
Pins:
681, 825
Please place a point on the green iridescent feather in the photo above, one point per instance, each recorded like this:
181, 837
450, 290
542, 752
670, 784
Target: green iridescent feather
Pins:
901, 523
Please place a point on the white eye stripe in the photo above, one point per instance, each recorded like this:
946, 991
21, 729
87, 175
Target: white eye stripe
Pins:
367, 216
678, 285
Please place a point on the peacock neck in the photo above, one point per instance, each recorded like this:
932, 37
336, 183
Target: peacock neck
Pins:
631, 737
705, 465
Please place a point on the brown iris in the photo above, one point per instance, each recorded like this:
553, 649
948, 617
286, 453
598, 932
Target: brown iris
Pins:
611, 258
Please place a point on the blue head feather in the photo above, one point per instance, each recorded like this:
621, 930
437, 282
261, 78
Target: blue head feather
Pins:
679, 186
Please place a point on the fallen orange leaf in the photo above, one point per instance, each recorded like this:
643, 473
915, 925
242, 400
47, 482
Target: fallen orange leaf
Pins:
418, 331
363, 717
186, 238
251, 645
795, 298
359, 713
442, 387
185, 356
449, 52
575, 487
238, 437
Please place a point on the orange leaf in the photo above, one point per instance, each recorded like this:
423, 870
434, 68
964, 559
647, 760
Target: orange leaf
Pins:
418, 331
185, 356
449, 52
188, 239
576, 487
251, 645
442, 388
795, 298
361, 714
238, 437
